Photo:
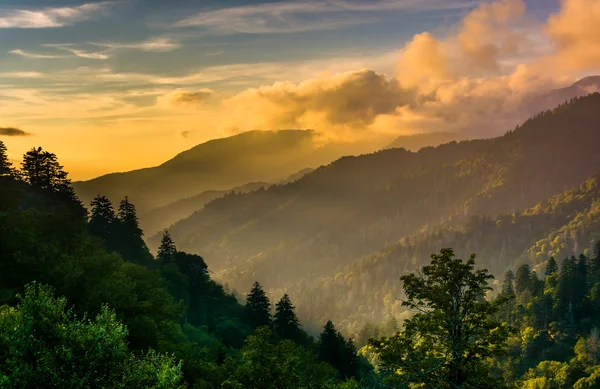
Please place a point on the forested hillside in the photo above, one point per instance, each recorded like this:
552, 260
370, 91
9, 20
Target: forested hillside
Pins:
219, 164
84, 304
304, 235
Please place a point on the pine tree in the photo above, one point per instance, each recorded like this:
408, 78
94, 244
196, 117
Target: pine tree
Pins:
6, 168
129, 240
522, 279
102, 219
258, 307
167, 249
285, 323
41, 170
551, 267
337, 351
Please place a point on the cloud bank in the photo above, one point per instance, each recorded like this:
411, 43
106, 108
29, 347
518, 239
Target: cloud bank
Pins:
489, 74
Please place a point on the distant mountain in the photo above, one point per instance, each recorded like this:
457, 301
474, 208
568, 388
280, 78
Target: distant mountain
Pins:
418, 141
160, 218
303, 235
219, 165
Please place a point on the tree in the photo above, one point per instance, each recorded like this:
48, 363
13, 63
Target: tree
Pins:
44, 345
6, 168
41, 170
523, 279
102, 220
452, 332
337, 351
258, 307
551, 267
167, 249
285, 323
130, 243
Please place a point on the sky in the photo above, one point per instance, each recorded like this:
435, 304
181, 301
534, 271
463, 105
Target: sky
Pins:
117, 85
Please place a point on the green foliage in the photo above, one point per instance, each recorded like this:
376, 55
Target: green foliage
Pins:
46, 345
445, 344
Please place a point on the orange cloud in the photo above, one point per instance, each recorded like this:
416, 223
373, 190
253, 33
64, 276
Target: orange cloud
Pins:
576, 32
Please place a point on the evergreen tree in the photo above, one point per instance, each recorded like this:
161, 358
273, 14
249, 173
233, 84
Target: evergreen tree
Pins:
129, 241
285, 323
6, 168
551, 267
41, 170
337, 351
258, 307
446, 343
167, 249
102, 220
522, 279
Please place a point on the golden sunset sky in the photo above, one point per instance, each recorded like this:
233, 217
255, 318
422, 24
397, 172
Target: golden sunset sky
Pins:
117, 85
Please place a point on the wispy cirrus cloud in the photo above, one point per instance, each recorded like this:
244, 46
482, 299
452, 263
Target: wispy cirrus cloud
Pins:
157, 44
51, 17
29, 54
298, 16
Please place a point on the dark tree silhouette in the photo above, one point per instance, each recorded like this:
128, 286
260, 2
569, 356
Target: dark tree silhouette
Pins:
551, 267
258, 307
6, 168
337, 351
167, 249
102, 221
129, 241
285, 322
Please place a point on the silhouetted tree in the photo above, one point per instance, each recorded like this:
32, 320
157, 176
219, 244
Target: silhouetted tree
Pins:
6, 168
523, 279
337, 351
167, 249
258, 307
41, 170
285, 323
102, 220
130, 243
551, 267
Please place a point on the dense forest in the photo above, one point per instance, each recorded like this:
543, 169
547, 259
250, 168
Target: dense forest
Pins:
85, 303
361, 222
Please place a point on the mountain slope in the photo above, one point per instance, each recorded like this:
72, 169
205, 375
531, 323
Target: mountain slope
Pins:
218, 164
345, 211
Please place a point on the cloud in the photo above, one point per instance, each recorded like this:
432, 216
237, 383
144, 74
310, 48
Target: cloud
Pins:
158, 44
51, 17
495, 69
27, 54
576, 32
190, 99
298, 16
11, 131
87, 54
344, 102
31, 74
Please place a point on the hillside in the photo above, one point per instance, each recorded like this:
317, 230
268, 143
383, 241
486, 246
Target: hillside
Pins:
219, 164
332, 217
